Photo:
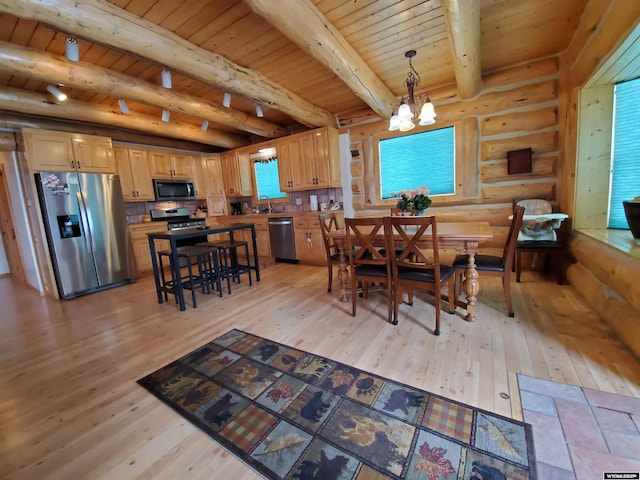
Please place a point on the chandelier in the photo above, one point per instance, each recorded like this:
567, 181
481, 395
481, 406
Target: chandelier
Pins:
403, 120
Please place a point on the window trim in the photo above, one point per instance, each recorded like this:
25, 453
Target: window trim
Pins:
254, 182
373, 198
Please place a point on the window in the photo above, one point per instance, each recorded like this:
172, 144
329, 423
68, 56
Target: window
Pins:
267, 179
625, 172
421, 159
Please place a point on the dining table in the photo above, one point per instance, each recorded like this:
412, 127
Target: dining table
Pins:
463, 237
175, 236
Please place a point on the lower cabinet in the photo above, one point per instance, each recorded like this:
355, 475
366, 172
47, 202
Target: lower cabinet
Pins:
309, 243
140, 244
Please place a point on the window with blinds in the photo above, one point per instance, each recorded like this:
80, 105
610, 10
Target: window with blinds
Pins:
421, 159
267, 178
625, 171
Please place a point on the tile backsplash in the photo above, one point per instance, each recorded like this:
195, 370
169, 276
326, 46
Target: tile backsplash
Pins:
137, 210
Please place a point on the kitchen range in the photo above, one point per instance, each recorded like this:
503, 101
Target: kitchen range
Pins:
179, 219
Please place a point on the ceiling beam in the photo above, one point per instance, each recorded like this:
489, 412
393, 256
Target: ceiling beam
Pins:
29, 63
108, 25
297, 18
16, 121
18, 100
463, 23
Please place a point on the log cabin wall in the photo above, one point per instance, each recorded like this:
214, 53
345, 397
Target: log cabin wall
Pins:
517, 108
607, 263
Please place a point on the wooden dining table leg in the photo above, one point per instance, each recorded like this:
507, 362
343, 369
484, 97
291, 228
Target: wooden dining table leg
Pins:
343, 274
471, 286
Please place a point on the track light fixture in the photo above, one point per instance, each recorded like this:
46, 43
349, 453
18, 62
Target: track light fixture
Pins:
205, 125
259, 111
166, 78
124, 108
166, 115
55, 91
226, 100
72, 52
403, 120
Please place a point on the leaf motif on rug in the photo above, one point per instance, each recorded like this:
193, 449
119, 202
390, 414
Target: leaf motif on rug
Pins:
433, 462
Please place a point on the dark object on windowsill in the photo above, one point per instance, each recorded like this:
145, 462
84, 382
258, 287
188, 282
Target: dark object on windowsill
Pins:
519, 161
632, 212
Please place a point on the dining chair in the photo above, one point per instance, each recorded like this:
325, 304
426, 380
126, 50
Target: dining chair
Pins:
328, 224
492, 265
366, 263
418, 268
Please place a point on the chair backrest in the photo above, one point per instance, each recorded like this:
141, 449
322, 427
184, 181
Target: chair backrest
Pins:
404, 233
361, 233
328, 224
397, 212
512, 238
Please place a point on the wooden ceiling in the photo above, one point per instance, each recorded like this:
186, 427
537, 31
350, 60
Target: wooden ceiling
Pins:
309, 63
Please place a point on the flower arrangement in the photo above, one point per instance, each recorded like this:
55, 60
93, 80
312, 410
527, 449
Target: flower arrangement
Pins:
413, 200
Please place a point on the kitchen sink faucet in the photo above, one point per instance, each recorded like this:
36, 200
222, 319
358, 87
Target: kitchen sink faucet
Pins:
266, 197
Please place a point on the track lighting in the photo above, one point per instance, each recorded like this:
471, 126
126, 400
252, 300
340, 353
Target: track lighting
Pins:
226, 100
205, 125
259, 111
166, 115
166, 78
124, 108
72, 51
55, 91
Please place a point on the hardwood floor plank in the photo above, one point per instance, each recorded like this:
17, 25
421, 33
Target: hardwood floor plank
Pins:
70, 406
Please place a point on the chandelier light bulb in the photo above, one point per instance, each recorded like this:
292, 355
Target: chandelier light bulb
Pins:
394, 123
124, 108
72, 52
226, 100
406, 124
166, 79
404, 112
55, 91
166, 115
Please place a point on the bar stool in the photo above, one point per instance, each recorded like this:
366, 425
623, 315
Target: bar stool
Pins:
230, 266
206, 259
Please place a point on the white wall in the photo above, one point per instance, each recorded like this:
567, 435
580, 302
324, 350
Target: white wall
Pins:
345, 173
19, 212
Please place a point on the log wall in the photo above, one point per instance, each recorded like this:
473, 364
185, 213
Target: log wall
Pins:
518, 108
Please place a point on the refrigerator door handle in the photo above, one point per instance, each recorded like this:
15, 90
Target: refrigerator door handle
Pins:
84, 220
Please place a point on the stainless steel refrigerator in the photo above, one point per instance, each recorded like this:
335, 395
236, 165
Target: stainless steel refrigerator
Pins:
86, 225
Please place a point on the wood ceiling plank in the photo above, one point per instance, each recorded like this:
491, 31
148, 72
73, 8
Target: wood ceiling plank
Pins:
194, 9
140, 7
377, 15
246, 30
162, 10
42, 38
8, 23
212, 26
23, 31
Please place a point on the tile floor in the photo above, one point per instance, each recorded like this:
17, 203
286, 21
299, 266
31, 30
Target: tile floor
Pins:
580, 433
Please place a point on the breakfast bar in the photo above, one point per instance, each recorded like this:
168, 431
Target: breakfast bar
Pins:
176, 236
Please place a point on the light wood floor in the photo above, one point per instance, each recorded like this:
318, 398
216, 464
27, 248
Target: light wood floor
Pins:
70, 406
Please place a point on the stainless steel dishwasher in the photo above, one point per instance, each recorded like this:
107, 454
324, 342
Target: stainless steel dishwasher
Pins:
282, 239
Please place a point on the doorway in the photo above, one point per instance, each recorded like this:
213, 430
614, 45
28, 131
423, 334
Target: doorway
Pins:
7, 229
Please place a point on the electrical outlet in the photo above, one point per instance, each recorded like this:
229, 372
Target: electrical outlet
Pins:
298, 201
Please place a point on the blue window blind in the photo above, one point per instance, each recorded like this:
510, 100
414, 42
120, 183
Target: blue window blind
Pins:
267, 179
625, 174
422, 159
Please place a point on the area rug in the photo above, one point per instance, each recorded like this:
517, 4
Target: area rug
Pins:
290, 414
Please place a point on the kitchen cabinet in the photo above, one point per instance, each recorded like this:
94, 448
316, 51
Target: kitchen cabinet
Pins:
198, 176
216, 200
236, 173
165, 164
140, 243
135, 175
309, 243
66, 152
309, 160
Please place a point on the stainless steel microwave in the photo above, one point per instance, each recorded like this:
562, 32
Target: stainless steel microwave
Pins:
174, 189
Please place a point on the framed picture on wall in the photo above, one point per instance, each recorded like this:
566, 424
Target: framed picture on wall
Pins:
519, 161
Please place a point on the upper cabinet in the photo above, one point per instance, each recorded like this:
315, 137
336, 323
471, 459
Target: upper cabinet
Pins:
198, 176
236, 173
66, 152
170, 165
309, 160
216, 200
135, 175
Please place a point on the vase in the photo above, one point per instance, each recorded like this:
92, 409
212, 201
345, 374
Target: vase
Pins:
632, 212
419, 213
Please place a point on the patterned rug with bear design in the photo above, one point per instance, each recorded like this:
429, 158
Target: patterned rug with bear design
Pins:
290, 414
